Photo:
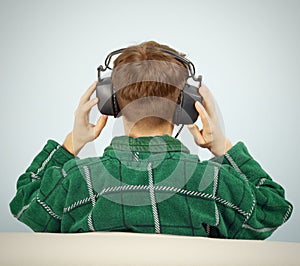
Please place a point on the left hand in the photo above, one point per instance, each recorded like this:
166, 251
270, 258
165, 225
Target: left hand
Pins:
83, 131
211, 136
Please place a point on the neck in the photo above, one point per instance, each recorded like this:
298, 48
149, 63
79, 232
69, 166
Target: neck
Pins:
137, 134
143, 130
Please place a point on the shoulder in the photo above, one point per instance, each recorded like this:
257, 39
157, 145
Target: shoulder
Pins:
77, 164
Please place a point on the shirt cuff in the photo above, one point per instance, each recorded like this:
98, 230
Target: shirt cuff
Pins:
61, 155
239, 154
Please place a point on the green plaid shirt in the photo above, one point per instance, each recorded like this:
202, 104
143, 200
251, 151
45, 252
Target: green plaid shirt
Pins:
150, 185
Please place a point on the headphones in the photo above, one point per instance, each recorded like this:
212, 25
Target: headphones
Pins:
185, 112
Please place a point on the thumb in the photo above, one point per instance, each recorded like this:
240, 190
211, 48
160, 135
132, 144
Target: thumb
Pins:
194, 129
205, 119
100, 125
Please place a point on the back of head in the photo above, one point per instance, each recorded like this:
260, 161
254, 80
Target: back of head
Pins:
148, 81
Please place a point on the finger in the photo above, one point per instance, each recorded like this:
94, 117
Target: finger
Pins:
205, 119
86, 108
83, 110
100, 125
86, 96
198, 138
208, 99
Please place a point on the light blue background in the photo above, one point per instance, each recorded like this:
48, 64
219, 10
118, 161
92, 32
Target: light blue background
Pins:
247, 51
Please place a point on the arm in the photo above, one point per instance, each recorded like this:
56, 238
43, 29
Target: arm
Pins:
242, 181
41, 191
42, 179
269, 208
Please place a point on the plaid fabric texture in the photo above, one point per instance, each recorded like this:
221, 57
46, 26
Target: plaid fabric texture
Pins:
150, 185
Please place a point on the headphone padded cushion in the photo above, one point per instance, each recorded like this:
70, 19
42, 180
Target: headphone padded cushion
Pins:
186, 112
107, 101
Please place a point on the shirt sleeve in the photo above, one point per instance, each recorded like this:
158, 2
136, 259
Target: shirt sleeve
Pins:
262, 202
42, 182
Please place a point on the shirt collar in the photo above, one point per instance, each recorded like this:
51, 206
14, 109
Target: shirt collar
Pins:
164, 143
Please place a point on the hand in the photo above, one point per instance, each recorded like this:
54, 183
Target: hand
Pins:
83, 131
211, 136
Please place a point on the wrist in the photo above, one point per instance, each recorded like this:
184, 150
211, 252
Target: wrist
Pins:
222, 147
68, 144
228, 145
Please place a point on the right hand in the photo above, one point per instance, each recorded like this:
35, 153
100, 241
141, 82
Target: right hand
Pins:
83, 131
211, 136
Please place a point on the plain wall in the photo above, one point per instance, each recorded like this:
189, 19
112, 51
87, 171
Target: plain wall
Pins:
247, 52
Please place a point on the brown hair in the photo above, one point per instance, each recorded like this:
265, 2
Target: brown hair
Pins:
151, 79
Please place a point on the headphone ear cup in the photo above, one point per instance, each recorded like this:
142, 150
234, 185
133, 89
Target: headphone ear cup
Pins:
186, 112
107, 103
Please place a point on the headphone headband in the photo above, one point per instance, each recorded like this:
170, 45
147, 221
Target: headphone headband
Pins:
180, 58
